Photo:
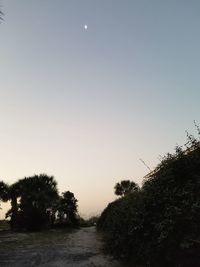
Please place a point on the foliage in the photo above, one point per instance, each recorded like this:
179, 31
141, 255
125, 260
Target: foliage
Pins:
67, 209
3, 191
159, 225
92, 221
35, 202
125, 187
36, 194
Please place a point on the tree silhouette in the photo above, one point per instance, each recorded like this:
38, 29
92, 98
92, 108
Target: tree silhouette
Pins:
125, 187
35, 203
3, 191
36, 195
13, 194
68, 208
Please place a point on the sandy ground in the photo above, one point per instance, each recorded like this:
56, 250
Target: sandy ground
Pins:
80, 248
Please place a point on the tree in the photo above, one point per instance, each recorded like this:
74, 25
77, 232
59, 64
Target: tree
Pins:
13, 194
3, 191
125, 187
36, 195
68, 208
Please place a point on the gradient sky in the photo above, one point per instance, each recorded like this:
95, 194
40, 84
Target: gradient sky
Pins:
86, 105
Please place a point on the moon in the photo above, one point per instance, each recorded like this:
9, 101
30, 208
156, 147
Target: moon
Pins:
85, 26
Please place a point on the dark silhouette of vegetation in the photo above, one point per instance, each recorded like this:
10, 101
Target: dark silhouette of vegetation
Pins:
92, 221
125, 187
35, 203
3, 191
67, 209
36, 194
159, 225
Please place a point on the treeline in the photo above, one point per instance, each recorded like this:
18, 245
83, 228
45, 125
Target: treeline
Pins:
36, 204
159, 223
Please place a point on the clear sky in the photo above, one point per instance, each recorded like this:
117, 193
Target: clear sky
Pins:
85, 105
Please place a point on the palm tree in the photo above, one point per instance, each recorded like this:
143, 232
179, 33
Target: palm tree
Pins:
36, 195
125, 187
68, 207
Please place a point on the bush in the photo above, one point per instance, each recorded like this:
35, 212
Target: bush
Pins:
160, 224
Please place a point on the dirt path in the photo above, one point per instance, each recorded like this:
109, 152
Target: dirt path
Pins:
82, 248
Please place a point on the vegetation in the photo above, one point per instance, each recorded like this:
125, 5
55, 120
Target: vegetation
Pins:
36, 205
67, 209
125, 187
159, 224
92, 221
155, 225
33, 239
4, 225
3, 191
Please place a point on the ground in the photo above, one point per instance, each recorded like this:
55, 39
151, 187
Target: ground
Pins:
56, 248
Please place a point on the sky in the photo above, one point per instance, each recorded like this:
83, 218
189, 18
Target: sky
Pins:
85, 105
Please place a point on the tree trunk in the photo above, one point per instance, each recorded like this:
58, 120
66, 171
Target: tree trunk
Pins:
13, 222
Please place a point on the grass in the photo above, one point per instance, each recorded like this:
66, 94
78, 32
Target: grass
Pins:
4, 225
13, 240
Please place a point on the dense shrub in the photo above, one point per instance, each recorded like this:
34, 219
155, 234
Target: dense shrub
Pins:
160, 224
